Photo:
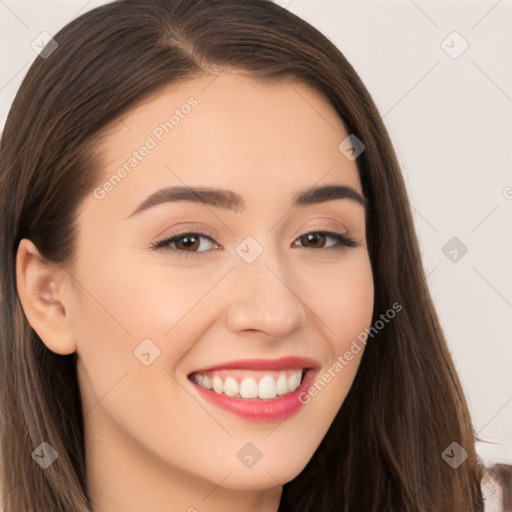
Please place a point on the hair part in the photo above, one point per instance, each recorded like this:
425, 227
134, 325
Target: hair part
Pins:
383, 451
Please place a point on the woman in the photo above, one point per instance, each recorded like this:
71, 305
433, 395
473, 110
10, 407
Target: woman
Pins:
213, 291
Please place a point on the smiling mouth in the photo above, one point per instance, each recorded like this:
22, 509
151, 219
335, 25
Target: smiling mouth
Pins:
258, 390
250, 384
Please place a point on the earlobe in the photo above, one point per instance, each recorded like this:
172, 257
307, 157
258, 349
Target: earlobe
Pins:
41, 287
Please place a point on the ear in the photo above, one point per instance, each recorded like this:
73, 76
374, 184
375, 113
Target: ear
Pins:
41, 286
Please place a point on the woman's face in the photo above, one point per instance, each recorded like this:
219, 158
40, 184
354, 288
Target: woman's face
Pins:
253, 298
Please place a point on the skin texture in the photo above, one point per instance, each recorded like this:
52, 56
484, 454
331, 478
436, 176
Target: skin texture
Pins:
152, 442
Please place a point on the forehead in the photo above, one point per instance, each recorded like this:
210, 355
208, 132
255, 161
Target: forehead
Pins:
228, 130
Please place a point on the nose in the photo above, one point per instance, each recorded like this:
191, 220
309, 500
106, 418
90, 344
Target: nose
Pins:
265, 300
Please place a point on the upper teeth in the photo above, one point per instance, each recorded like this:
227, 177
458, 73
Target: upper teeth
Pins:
250, 384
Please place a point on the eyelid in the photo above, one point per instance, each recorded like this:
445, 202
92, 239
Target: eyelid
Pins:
344, 241
160, 244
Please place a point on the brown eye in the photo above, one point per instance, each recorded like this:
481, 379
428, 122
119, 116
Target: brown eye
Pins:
187, 242
317, 239
314, 240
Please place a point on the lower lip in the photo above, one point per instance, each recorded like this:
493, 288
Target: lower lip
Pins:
260, 410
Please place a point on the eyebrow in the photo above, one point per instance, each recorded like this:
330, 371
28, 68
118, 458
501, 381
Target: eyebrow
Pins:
229, 200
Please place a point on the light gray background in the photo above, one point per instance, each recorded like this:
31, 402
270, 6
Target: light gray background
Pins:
450, 120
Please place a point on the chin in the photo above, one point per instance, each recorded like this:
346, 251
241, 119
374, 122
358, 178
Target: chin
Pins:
264, 476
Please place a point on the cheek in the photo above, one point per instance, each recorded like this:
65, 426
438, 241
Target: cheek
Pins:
352, 304
345, 309
118, 309
132, 301
342, 299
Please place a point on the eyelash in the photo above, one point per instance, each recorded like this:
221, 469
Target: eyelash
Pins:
165, 244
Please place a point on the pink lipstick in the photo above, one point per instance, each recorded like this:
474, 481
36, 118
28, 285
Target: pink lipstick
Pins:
260, 390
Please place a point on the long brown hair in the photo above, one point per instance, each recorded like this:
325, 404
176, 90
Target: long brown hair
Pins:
383, 452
